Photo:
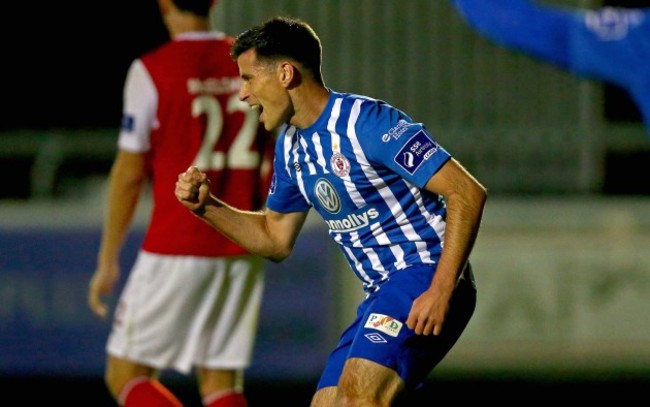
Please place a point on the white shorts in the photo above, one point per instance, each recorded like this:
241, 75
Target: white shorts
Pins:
177, 312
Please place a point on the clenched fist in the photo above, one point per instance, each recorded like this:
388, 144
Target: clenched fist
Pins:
192, 189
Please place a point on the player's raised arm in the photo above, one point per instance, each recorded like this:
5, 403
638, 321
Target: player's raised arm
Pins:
266, 233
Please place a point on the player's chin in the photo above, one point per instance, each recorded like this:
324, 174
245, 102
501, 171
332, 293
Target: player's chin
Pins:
267, 122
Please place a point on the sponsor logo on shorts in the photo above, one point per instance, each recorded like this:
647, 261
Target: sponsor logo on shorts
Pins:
384, 323
375, 338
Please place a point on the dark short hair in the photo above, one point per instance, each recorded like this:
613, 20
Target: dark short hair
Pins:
283, 37
198, 7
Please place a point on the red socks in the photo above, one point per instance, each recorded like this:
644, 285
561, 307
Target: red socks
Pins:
145, 392
230, 398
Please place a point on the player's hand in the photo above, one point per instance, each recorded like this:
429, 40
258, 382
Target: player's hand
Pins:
101, 284
192, 189
428, 312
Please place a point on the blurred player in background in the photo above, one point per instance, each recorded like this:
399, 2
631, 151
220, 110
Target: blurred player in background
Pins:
192, 299
404, 212
609, 44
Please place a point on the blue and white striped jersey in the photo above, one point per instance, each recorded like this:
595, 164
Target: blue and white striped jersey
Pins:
362, 165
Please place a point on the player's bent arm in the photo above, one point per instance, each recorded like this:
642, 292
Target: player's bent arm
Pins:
465, 198
267, 233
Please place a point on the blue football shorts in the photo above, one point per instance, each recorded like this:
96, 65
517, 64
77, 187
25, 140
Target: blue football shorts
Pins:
379, 332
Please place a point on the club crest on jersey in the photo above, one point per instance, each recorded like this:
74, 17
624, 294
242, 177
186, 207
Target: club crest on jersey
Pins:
340, 165
327, 196
384, 323
415, 151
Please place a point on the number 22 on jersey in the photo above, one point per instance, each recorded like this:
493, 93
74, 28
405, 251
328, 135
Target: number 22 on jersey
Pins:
240, 154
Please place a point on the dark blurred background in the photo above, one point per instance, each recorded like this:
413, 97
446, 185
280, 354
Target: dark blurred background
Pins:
68, 65
562, 261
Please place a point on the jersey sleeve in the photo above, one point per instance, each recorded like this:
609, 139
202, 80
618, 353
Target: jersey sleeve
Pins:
406, 147
418, 157
140, 100
284, 193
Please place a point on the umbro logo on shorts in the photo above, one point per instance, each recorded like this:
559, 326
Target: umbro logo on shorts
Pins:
375, 338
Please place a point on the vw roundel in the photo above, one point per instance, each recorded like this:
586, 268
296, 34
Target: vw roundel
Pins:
327, 196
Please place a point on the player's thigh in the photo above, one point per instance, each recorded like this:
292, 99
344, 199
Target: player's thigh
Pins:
363, 379
324, 397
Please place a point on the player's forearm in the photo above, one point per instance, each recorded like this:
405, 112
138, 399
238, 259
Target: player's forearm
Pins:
464, 215
248, 229
119, 215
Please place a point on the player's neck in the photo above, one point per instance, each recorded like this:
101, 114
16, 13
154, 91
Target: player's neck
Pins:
181, 24
309, 104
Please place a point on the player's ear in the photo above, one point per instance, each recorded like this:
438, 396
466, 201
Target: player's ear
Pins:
288, 74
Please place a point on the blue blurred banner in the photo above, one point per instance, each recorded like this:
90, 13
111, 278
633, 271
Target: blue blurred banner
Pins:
46, 327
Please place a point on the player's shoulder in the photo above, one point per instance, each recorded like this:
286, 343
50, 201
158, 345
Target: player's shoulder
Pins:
353, 96
375, 114
376, 120
366, 105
